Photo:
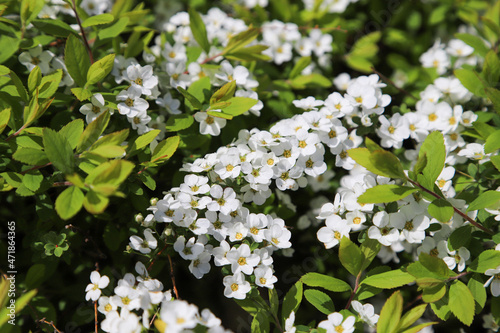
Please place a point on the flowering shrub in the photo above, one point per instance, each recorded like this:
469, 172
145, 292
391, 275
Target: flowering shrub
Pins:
308, 166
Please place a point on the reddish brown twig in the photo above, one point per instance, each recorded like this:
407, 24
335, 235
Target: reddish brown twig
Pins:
174, 287
85, 41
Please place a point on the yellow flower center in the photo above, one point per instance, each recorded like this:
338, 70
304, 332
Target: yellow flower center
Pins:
209, 120
356, 220
234, 287
129, 102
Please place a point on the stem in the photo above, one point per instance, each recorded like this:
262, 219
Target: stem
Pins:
386, 79
56, 184
10, 137
173, 277
51, 323
157, 255
36, 167
463, 215
207, 60
458, 276
95, 316
356, 287
85, 41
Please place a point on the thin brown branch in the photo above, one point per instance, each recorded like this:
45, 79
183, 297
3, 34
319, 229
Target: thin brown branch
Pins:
462, 214
157, 255
354, 291
51, 323
95, 316
36, 167
85, 41
174, 287
389, 81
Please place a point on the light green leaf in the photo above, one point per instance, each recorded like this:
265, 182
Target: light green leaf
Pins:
4, 70
20, 303
485, 200
491, 68
221, 115
21, 90
114, 30
314, 80
112, 173
370, 248
98, 20
93, 132
410, 317
419, 327
108, 151
72, 132
350, 256
77, 63
274, 301
100, 69
115, 138
58, 150
52, 27
49, 84
299, 66
476, 287
435, 151
69, 202
441, 308
193, 100
95, 203
29, 11
224, 93
385, 193
391, 314
200, 89
165, 149
489, 259
199, 30
471, 80
292, 300
432, 291
30, 156
240, 40
239, 105
82, 94
362, 157
179, 122
461, 302
389, 280
435, 265
441, 209
492, 142
324, 281
34, 79
4, 118
143, 140
320, 301
388, 163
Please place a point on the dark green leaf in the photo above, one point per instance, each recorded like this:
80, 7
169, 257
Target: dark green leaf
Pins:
52, 27
324, 281
320, 301
292, 300
485, 200
77, 61
460, 237
199, 30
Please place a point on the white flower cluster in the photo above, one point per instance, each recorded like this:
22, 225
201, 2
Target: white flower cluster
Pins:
454, 54
92, 7
329, 6
47, 62
142, 293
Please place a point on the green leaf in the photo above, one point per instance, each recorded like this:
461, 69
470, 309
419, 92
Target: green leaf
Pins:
100, 69
147, 180
115, 138
432, 291
49, 84
314, 80
362, 157
114, 30
52, 27
251, 53
14, 179
35, 276
460, 237
30, 156
72, 132
471, 80
441, 209
21, 90
476, 42
4, 70
95, 203
260, 323
292, 300
224, 93
485, 200
324, 281
179, 122
441, 308
494, 95
489, 259
34, 79
200, 89
492, 142
389, 280
391, 314
435, 265
199, 30
193, 100
483, 129
92, 132
69, 202
299, 66
77, 63
476, 287
98, 20
4, 118
461, 302
239, 105
420, 327
29, 11
217, 114
274, 301
491, 68
165, 149
435, 151
421, 163
359, 63
32, 180
143, 140
112, 173
82, 94
370, 248
320, 301
107, 151
240, 40
388, 163
58, 150
20, 303
410, 317
385, 193
350, 256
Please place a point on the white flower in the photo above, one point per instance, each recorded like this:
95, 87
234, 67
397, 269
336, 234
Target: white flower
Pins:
93, 289
142, 77
132, 103
494, 280
209, 124
332, 233
37, 57
289, 328
144, 246
179, 315
264, 276
366, 313
336, 323
382, 230
242, 259
201, 265
94, 109
169, 103
236, 286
